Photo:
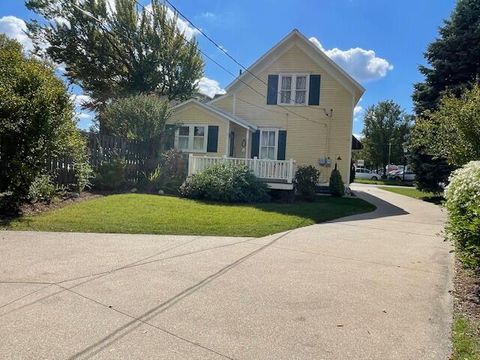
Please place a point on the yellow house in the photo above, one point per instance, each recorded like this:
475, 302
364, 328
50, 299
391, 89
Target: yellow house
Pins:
293, 106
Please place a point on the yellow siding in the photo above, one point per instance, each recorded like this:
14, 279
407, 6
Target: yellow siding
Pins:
192, 113
240, 136
307, 140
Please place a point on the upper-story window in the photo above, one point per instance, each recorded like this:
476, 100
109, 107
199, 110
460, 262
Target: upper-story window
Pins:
293, 89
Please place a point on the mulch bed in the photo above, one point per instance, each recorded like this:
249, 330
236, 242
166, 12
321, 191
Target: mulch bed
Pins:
467, 294
39, 207
69, 198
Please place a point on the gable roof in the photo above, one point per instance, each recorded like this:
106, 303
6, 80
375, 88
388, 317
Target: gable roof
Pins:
311, 49
215, 110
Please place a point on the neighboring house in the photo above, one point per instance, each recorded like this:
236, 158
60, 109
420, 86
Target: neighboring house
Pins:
294, 106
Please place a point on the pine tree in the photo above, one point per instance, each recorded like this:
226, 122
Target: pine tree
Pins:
454, 58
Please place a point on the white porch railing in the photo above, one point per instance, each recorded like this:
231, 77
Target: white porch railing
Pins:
275, 170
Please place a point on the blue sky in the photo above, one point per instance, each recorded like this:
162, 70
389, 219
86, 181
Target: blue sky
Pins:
379, 42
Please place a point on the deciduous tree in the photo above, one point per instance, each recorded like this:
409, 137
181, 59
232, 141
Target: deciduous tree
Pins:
386, 128
36, 120
117, 51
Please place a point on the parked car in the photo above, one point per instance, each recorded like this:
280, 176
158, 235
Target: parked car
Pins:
361, 173
399, 176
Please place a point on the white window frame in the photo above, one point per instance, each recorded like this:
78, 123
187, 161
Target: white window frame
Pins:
260, 142
191, 137
293, 90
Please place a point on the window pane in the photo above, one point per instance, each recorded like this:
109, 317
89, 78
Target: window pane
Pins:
198, 143
184, 130
271, 153
300, 97
271, 138
301, 83
199, 131
264, 140
263, 152
285, 97
286, 82
183, 143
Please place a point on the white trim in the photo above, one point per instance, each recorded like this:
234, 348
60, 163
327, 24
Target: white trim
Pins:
293, 89
334, 70
260, 142
191, 137
224, 115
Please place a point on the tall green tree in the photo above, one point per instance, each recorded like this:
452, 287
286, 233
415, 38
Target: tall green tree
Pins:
453, 67
452, 58
36, 120
386, 129
141, 118
452, 131
117, 51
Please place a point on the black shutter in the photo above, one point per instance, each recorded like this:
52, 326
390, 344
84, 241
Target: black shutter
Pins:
282, 144
169, 137
212, 140
255, 143
272, 89
314, 89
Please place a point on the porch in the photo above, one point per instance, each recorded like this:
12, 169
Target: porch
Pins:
278, 174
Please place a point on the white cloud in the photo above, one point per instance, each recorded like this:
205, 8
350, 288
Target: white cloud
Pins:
79, 100
358, 136
363, 65
208, 15
209, 87
357, 110
85, 116
14, 28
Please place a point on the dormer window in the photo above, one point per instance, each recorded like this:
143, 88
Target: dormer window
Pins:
293, 89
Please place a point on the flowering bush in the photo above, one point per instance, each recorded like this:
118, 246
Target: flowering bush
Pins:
463, 206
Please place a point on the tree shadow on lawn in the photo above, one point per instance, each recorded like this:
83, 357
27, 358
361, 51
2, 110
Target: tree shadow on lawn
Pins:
383, 209
324, 208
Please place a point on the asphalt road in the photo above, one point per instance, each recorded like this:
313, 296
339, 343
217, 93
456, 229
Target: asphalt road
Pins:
373, 286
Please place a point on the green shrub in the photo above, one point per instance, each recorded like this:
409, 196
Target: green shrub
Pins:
36, 120
463, 205
83, 175
111, 175
225, 183
306, 178
174, 167
337, 188
42, 189
150, 181
166, 177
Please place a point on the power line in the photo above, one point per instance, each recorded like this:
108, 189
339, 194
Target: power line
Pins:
203, 53
226, 53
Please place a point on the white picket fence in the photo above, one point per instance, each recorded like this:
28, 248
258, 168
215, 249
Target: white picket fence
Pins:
274, 170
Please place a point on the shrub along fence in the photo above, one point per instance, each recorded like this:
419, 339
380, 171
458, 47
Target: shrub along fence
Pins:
139, 157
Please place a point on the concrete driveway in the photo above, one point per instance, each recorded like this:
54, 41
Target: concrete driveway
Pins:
373, 286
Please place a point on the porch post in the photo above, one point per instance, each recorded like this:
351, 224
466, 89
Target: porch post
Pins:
247, 143
190, 164
290, 171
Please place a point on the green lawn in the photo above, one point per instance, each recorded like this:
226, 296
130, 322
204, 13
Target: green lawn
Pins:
383, 182
466, 342
153, 214
414, 193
